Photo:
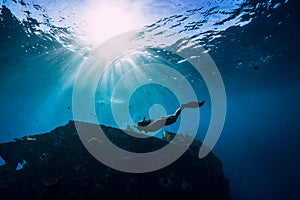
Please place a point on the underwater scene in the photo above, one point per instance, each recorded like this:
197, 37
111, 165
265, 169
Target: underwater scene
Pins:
149, 99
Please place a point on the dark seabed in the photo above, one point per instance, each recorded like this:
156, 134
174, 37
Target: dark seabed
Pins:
53, 171
255, 47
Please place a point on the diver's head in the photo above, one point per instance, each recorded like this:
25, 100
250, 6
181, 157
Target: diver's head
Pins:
144, 122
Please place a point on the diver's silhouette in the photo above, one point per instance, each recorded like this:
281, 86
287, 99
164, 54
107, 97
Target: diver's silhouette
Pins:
154, 125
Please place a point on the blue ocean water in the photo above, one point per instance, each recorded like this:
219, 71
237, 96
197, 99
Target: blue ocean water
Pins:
253, 43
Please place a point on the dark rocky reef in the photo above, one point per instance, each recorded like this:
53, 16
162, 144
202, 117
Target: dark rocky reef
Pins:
56, 165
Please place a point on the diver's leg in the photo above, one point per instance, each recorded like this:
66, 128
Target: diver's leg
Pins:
193, 104
177, 113
172, 118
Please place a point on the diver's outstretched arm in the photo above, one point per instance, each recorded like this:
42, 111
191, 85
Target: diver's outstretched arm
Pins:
193, 104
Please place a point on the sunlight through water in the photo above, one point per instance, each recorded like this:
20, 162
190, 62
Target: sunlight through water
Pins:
105, 19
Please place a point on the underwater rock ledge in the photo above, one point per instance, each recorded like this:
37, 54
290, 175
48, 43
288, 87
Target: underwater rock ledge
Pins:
56, 165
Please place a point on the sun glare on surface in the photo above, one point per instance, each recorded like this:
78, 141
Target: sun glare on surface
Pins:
105, 19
